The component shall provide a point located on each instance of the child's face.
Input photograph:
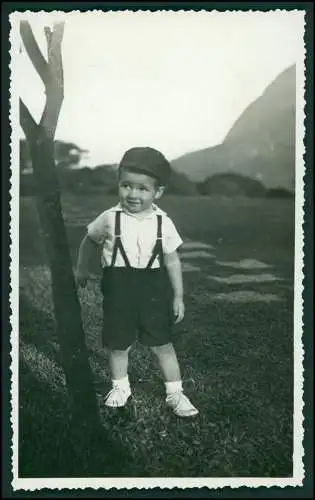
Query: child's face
(137, 191)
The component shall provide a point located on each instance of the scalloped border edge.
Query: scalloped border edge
(33, 484)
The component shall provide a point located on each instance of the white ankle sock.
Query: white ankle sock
(122, 383)
(172, 387)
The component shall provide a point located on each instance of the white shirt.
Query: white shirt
(138, 236)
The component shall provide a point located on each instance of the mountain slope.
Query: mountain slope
(260, 144)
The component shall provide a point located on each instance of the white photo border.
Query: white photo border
(33, 484)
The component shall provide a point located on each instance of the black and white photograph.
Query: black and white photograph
(157, 248)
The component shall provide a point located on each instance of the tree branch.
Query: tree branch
(27, 122)
(34, 52)
(54, 54)
(51, 73)
(48, 34)
(54, 87)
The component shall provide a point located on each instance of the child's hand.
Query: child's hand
(178, 309)
(81, 279)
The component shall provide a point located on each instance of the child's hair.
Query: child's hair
(148, 161)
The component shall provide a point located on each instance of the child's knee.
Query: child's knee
(116, 353)
(165, 349)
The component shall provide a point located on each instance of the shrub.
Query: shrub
(230, 184)
(279, 193)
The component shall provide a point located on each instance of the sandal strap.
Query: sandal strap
(178, 400)
(118, 392)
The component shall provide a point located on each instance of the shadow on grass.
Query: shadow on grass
(36, 326)
(51, 444)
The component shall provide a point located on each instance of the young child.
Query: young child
(142, 283)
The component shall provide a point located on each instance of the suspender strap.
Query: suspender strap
(159, 227)
(118, 244)
(158, 247)
(117, 224)
(157, 250)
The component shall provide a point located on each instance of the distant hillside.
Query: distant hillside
(231, 184)
(260, 144)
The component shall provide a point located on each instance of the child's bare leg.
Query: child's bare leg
(168, 362)
(118, 365)
(175, 397)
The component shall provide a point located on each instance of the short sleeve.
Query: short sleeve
(98, 229)
(171, 239)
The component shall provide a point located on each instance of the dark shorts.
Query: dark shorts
(136, 306)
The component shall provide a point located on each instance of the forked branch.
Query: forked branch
(33, 51)
(51, 73)
(54, 87)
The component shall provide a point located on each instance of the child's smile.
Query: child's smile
(137, 191)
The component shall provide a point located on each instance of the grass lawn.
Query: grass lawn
(236, 355)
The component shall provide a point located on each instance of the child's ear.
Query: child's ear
(159, 191)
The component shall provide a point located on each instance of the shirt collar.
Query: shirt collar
(156, 210)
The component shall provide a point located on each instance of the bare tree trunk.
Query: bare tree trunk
(67, 311)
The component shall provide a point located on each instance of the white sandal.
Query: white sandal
(181, 405)
(117, 397)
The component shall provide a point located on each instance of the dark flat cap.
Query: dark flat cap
(148, 161)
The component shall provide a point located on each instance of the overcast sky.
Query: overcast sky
(176, 81)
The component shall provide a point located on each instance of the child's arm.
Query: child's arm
(87, 249)
(174, 269)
